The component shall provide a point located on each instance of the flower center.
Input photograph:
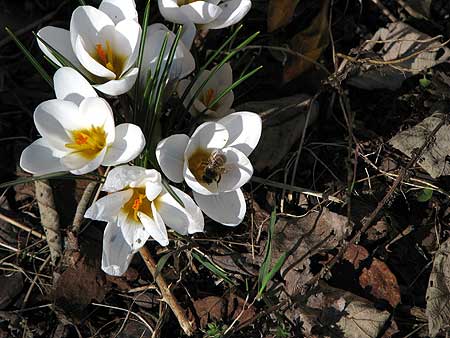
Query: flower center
(209, 96)
(185, 2)
(138, 203)
(207, 166)
(88, 142)
(106, 57)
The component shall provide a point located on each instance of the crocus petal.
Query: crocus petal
(238, 170)
(227, 208)
(123, 176)
(153, 185)
(119, 10)
(188, 35)
(79, 165)
(244, 129)
(41, 158)
(184, 220)
(121, 86)
(223, 107)
(134, 232)
(53, 118)
(155, 226)
(132, 31)
(232, 12)
(88, 22)
(170, 10)
(89, 62)
(222, 79)
(72, 86)
(128, 143)
(201, 12)
(58, 39)
(117, 253)
(108, 207)
(209, 135)
(170, 156)
(97, 112)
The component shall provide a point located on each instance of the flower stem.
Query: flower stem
(166, 293)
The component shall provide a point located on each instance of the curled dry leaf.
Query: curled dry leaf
(283, 123)
(434, 160)
(438, 292)
(310, 42)
(280, 13)
(337, 313)
(404, 52)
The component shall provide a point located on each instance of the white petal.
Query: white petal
(171, 11)
(72, 86)
(119, 10)
(40, 158)
(135, 233)
(117, 253)
(89, 62)
(97, 112)
(108, 207)
(131, 30)
(223, 107)
(88, 21)
(128, 144)
(222, 79)
(184, 220)
(155, 226)
(244, 130)
(59, 39)
(238, 170)
(201, 12)
(227, 208)
(188, 35)
(121, 86)
(123, 176)
(232, 12)
(53, 120)
(209, 135)
(170, 156)
(153, 189)
(80, 165)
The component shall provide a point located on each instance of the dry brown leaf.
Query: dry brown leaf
(438, 292)
(311, 43)
(283, 123)
(280, 13)
(355, 254)
(10, 287)
(399, 42)
(434, 158)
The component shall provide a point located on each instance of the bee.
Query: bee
(214, 167)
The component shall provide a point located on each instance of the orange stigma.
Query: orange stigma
(209, 96)
(101, 53)
(137, 202)
(81, 138)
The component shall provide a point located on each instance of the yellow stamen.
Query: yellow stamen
(209, 96)
(113, 61)
(88, 142)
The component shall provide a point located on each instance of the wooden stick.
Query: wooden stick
(166, 293)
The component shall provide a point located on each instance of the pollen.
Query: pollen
(88, 142)
(197, 163)
(107, 57)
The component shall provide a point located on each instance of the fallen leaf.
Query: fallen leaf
(280, 13)
(332, 312)
(11, 287)
(355, 254)
(434, 158)
(381, 282)
(283, 123)
(310, 42)
(438, 292)
(398, 41)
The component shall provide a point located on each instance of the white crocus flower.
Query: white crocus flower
(137, 208)
(211, 14)
(78, 132)
(183, 62)
(104, 42)
(214, 163)
(221, 80)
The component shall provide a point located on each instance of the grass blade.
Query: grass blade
(169, 189)
(30, 58)
(212, 267)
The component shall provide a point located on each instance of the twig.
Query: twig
(21, 226)
(82, 206)
(384, 10)
(166, 293)
(49, 218)
(25, 300)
